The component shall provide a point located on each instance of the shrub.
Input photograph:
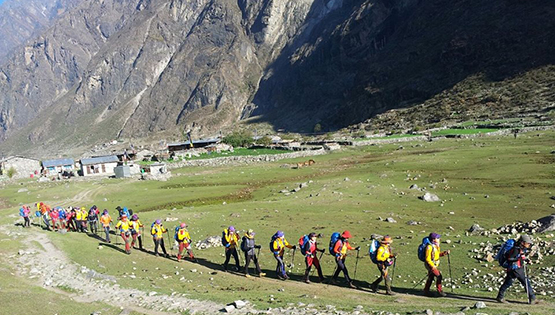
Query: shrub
(265, 141)
(239, 139)
(11, 172)
(317, 128)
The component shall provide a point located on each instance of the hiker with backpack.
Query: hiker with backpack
(429, 252)
(383, 257)
(92, 218)
(136, 224)
(230, 240)
(105, 220)
(340, 248)
(24, 213)
(55, 217)
(309, 248)
(512, 256)
(123, 226)
(62, 214)
(248, 246)
(157, 231)
(71, 214)
(277, 247)
(183, 238)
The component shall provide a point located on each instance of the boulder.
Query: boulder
(546, 224)
(428, 197)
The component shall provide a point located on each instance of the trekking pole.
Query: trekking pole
(356, 264)
(169, 242)
(450, 274)
(293, 258)
(419, 282)
(393, 273)
(527, 281)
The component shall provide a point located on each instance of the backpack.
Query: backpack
(501, 256)
(176, 232)
(373, 251)
(224, 240)
(303, 243)
(21, 212)
(274, 238)
(334, 238)
(422, 248)
(244, 245)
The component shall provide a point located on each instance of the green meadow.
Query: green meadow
(490, 181)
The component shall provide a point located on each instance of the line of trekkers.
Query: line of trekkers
(512, 255)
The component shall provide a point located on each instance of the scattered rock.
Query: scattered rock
(428, 197)
(390, 220)
(475, 228)
(479, 305)
(240, 304)
(229, 308)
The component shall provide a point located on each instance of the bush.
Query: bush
(265, 141)
(317, 128)
(11, 172)
(239, 139)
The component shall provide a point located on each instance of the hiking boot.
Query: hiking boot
(534, 301)
(307, 281)
(501, 300)
(156, 254)
(351, 285)
(248, 276)
(262, 274)
(441, 293)
(374, 287)
(389, 292)
(285, 276)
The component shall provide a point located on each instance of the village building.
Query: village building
(19, 167)
(101, 165)
(58, 166)
(180, 146)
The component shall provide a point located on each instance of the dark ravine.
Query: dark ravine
(140, 68)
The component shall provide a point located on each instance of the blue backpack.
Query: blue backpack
(176, 231)
(501, 256)
(334, 238)
(303, 243)
(274, 238)
(422, 248)
(21, 212)
(373, 251)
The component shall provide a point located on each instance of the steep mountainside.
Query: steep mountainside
(22, 19)
(137, 68)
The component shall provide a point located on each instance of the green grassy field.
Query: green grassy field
(347, 189)
(454, 132)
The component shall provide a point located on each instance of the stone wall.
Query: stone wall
(24, 167)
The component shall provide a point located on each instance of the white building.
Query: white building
(102, 165)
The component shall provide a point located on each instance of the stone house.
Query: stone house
(101, 165)
(58, 166)
(23, 167)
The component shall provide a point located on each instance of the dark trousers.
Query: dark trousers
(107, 231)
(71, 224)
(510, 278)
(384, 276)
(93, 225)
(280, 267)
(228, 252)
(159, 242)
(341, 267)
(27, 223)
(248, 259)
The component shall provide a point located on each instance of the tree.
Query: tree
(11, 172)
(239, 138)
(317, 128)
(265, 141)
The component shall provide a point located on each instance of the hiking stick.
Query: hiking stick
(450, 274)
(169, 242)
(419, 282)
(293, 258)
(526, 282)
(356, 265)
(393, 273)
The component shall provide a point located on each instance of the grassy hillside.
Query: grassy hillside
(349, 189)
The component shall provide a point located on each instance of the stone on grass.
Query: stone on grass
(240, 304)
(428, 197)
(229, 308)
(479, 305)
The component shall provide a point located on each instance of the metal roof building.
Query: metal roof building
(100, 160)
(58, 162)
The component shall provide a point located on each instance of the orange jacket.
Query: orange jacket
(341, 247)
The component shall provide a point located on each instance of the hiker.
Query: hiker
(92, 218)
(183, 238)
(230, 240)
(516, 269)
(45, 211)
(79, 219)
(71, 217)
(310, 249)
(123, 226)
(136, 232)
(105, 220)
(340, 251)
(24, 213)
(277, 246)
(54, 217)
(62, 214)
(432, 254)
(248, 246)
(157, 230)
(384, 259)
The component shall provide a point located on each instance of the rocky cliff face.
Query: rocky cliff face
(134, 68)
(20, 20)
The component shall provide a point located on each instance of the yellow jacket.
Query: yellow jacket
(105, 219)
(183, 236)
(78, 215)
(384, 252)
(123, 226)
(432, 255)
(157, 231)
(135, 225)
(279, 244)
(231, 239)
